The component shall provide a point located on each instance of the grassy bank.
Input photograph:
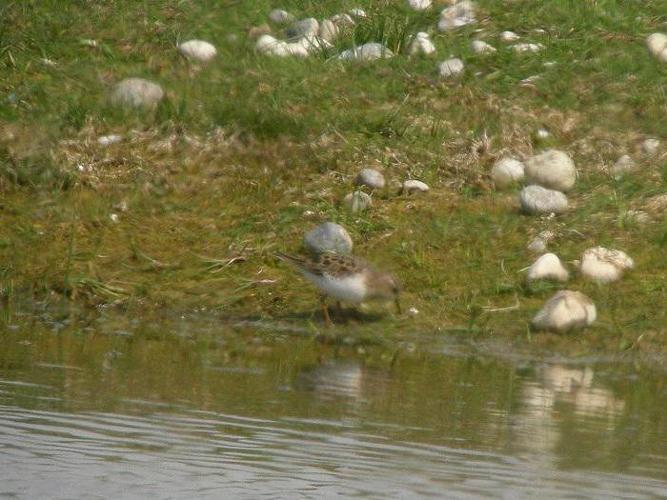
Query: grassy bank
(247, 153)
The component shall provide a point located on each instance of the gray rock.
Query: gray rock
(328, 237)
(551, 169)
(136, 93)
(538, 200)
(304, 27)
(279, 16)
(357, 201)
(370, 178)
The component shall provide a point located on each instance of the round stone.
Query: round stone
(136, 93)
(507, 171)
(481, 47)
(548, 267)
(302, 28)
(198, 49)
(553, 169)
(567, 310)
(537, 200)
(450, 67)
(370, 178)
(328, 237)
(328, 30)
(459, 14)
(421, 44)
(650, 147)
(657, 46)
(509, 36)
(604, 265)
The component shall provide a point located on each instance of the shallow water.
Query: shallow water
(189, 408)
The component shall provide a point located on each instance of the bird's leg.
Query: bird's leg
(325, 310)
(339, 308)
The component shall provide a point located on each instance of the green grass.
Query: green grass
(229, 166)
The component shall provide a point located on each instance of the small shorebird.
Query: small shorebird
(345, 279)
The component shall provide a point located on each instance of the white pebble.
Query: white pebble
(506, 172)
(413, 311)
(650, 147)
(419, 4)
(198, 49)
(366, 52)
(541, 133)
(481, 47)
(303, 27)
(107, 140)
(509, 36)
(329, 31)
(553, 169)
(450, 67)
(459, 14)
(414, 186)
(114, 218)
(604, 265)
(566, 310)
(358, 12)
(421, 44)
(548, 267)
(523, 48)
(657, 46)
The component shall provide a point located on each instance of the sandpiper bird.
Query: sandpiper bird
(345, 279)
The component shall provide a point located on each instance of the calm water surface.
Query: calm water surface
(187, 408)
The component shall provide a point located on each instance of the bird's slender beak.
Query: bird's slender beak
(398, 305)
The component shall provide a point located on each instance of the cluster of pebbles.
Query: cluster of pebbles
(332, 237)
(547, 176)
(303, 37)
